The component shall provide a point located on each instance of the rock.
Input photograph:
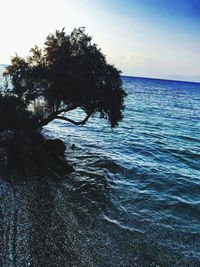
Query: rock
(37, 138)
(55, 146)
(7, 137)
(73, 146)
(59, 165)
(27, 153)
(3, 158)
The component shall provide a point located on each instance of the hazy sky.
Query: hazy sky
(151, 38)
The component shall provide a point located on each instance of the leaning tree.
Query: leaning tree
(69, 72)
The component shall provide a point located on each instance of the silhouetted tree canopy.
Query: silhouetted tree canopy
(69, 72)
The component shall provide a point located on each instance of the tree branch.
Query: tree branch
(53, 116)
(74, 122)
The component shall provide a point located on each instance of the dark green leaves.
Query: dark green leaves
(69, 71)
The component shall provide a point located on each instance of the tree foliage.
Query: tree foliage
(14, 114)
(69, 72)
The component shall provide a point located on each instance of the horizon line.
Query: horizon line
(162, 79)
(144, 77)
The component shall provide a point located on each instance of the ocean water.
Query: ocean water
(139, 185)
(134, 199)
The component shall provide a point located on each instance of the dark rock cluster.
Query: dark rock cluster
(32, 154)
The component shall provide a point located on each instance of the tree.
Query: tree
(69, 72)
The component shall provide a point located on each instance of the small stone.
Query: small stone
(73, 146)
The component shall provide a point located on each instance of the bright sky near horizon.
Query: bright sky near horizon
(148, 38)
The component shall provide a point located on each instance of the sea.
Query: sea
(134, 197)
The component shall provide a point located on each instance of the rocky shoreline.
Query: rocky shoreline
(30, 153)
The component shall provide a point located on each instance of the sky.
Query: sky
(146, 38)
